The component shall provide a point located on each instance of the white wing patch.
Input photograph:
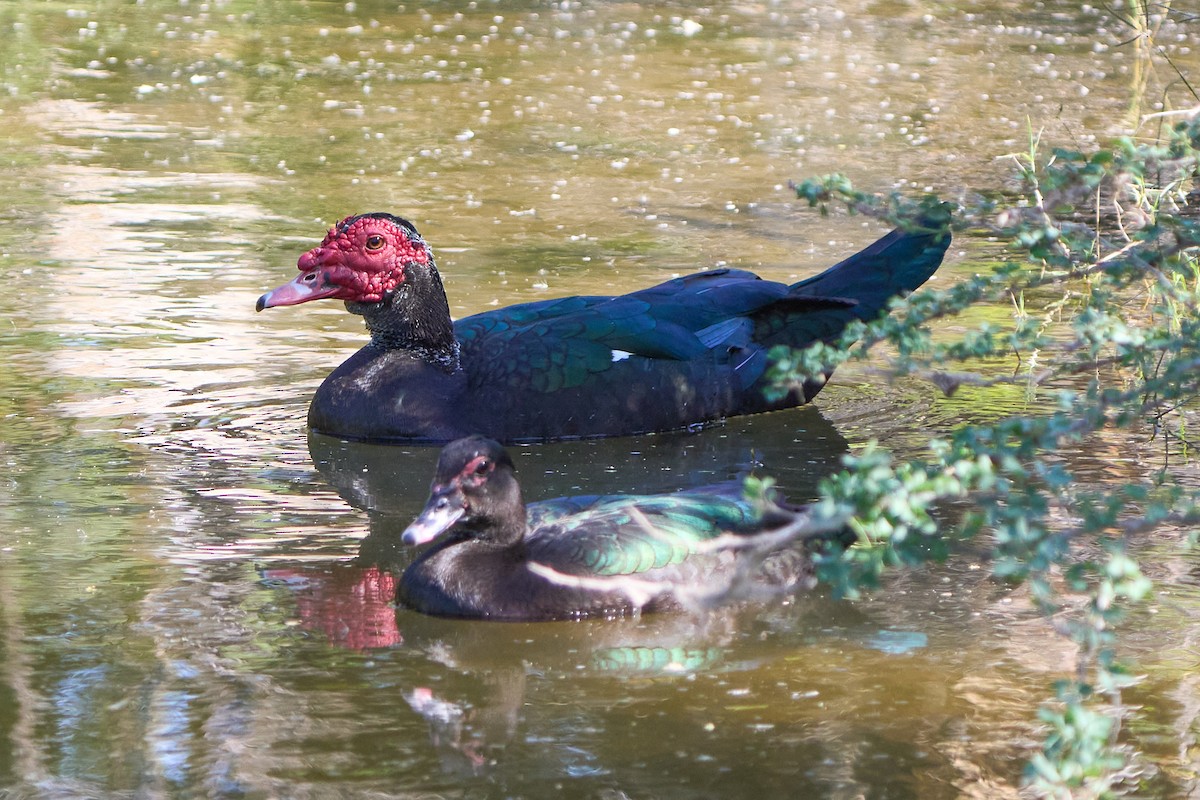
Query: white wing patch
(620, 355)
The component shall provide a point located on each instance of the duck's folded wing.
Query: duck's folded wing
(713, 318)
(636, 535)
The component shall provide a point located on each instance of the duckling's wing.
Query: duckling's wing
(632, 535)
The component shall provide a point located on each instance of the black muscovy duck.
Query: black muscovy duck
(689, 351)
(493, 557)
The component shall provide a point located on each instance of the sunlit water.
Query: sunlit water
(195, 597)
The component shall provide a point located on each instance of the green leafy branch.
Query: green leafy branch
(1104, 280)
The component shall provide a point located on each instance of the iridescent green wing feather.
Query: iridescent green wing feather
(633, 535)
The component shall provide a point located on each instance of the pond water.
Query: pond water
(192, 601)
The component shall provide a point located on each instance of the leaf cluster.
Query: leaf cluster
(1103, 274)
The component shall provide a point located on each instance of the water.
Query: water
(192, 601)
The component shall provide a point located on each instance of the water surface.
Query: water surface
(194, 593)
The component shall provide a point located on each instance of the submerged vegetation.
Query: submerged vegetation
(1104, 280)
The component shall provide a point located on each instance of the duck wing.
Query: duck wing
(636, 535)
(708, 316)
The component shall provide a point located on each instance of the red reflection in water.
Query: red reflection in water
(353, 606)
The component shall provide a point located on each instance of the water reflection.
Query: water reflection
(788, 678)
(353, 606)
(798, 447)
(472, 722)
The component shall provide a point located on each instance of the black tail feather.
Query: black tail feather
(894, 266)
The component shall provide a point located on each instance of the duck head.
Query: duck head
(362, 259)
(474, 494)
(384, 270)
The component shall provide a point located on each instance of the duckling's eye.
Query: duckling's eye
(374, 242)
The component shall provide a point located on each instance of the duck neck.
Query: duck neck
(508, 527)
(415, 316)
(498, 540)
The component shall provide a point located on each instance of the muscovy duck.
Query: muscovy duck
(689, 351)
(493, 557)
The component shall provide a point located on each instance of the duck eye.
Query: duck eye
(482, 467)
(374, 242)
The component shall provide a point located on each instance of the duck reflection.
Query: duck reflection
(473, 722)
(478, 690)
(467, 738)
(471, 680)
(353, 606)
(487, 690)
(796, 447)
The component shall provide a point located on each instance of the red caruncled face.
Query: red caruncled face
(361, 259)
